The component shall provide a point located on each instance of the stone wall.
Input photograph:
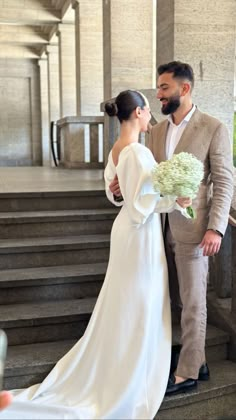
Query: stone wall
(204, 36)
(91, 56)
(20, 133)
(132, 40)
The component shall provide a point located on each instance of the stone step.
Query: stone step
(28, 364)
(53, 200)
(30, 224)
(214, 399)
(36, 322)
(51, 283)
(41, 252)
(46, 321)
(216, 342)
(61, 319)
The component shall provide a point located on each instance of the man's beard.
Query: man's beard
(171, 106)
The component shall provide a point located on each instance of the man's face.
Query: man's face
(169, 93)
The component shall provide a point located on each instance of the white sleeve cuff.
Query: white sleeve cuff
(182, 211)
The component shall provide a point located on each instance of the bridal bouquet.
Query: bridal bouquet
(180, 176)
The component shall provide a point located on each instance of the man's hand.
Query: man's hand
(114, 187)
(211, 243)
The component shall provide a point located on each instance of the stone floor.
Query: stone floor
(31, 179)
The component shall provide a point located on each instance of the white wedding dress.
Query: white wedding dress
(119, 368)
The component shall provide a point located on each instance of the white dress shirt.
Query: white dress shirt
(174, 132)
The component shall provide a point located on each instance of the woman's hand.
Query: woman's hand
(184, 202)
(5, 399)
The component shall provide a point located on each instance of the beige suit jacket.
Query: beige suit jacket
(207, 139)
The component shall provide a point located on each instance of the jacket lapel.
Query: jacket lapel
(188, 133)
(162, 133)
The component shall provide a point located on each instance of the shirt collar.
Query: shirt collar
(186, 118)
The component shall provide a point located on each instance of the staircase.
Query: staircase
(54, 249)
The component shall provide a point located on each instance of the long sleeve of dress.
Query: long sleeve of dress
(109, 175)
(134, 173)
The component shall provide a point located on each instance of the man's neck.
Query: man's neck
(181, 113)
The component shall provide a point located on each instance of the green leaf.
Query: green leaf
(191, 212)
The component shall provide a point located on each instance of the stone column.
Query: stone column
(89, 56)
(75, 6)
(44, 94)
(53, 82)
(129, 59)
(66, 36)
(107, 66)
(202, 33)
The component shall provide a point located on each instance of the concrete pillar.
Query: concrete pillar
(89, 56)
(53, 82)
(129, 58)
(44, 94)
(107, 66)
(202, 33)
(76, 8)
(67, 79)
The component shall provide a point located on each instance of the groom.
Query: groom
(189, 243)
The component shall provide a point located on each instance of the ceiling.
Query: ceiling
(27, 26)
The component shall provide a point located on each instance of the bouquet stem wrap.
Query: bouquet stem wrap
(180, 176)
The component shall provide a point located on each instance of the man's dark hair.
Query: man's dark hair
(180, 70)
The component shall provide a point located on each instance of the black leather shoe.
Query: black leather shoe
(204, 373)
(173, 388)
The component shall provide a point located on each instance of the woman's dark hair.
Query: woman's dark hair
(180, 70)
(125, 103)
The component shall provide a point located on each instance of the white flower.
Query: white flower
(179, 176)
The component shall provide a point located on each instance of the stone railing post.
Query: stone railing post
(233, 267)
(75, 133)
(220, 267)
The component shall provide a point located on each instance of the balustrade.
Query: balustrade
(81, 142)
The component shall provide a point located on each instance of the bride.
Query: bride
(119, 369)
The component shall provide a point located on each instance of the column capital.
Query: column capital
(75, 4)
(51, 48)
(42, 61)
(62, 27)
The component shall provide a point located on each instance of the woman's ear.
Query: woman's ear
(138, 111)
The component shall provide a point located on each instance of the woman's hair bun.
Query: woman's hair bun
(111, 109)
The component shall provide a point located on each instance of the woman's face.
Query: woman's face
(145, 116)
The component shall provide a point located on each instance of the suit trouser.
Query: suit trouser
(188, 270)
